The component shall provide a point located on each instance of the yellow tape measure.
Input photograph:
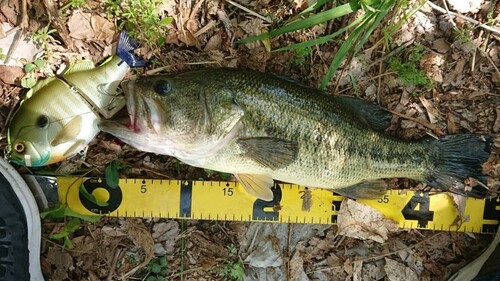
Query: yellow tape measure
(291, 204)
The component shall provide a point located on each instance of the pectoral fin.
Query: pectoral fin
(257, 185)
(68, 132)
(273, 153)
(364, 190)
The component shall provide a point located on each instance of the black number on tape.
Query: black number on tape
(384, 199)
(258, 206)
(421, 201)
(335, 208)
(491, 212)
(114, 201)
(228, 191)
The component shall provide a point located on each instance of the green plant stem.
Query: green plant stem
(320, 40)
(308, 22)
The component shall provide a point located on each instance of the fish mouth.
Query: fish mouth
(141, 115)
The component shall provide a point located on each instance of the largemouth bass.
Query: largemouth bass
(263, 128)
(59, 116)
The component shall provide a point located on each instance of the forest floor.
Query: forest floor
(459, 59)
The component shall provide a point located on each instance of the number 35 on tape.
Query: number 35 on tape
(213, 200)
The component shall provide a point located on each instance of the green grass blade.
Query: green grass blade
(359, 36)
(309, 9)
(344, 49)
(320, 40)
(308, 22)
(376, 19)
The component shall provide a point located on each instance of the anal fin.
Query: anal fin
(364, 190)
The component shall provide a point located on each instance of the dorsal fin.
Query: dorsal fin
(79, 66)
(372, 115)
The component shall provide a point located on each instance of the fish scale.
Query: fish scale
(343, 153)
(261, 128)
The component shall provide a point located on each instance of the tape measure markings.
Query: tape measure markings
(228, 201)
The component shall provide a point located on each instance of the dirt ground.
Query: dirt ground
(463, 96)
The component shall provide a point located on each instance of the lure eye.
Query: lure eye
(42, 121)
(19, 147)
(162, 87)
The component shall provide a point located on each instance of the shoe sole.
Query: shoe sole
(32, 215)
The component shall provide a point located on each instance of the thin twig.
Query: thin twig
(113, 264)
(490, 60)
(393, 52)
(380, 91)
(24, 22)
(427, 125)
(13, 47)
(448, 12)
(473, 21)
(55, 20)
(249, 11)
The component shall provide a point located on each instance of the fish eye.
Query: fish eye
(162, 87)
(42, 121)
(19, 147)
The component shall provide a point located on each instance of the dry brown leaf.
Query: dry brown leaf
(460, 203)
(11, 74)
(441, 46)
(214, 43)
(62, 261)
(114, 231)
(143, 239)
(432, 65)
(192, 25)
(188, 38)
(252, 27)
(297, 272)
(79, 26)
(348, 266)
(432, 111)
(451, 123)
(496, 125)
(83, 245)
(104, 30)
(357, 271)
(363, 222)
(10, 9)
(396, 271)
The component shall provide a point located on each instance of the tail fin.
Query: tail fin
(458, 157)
(125, 50)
